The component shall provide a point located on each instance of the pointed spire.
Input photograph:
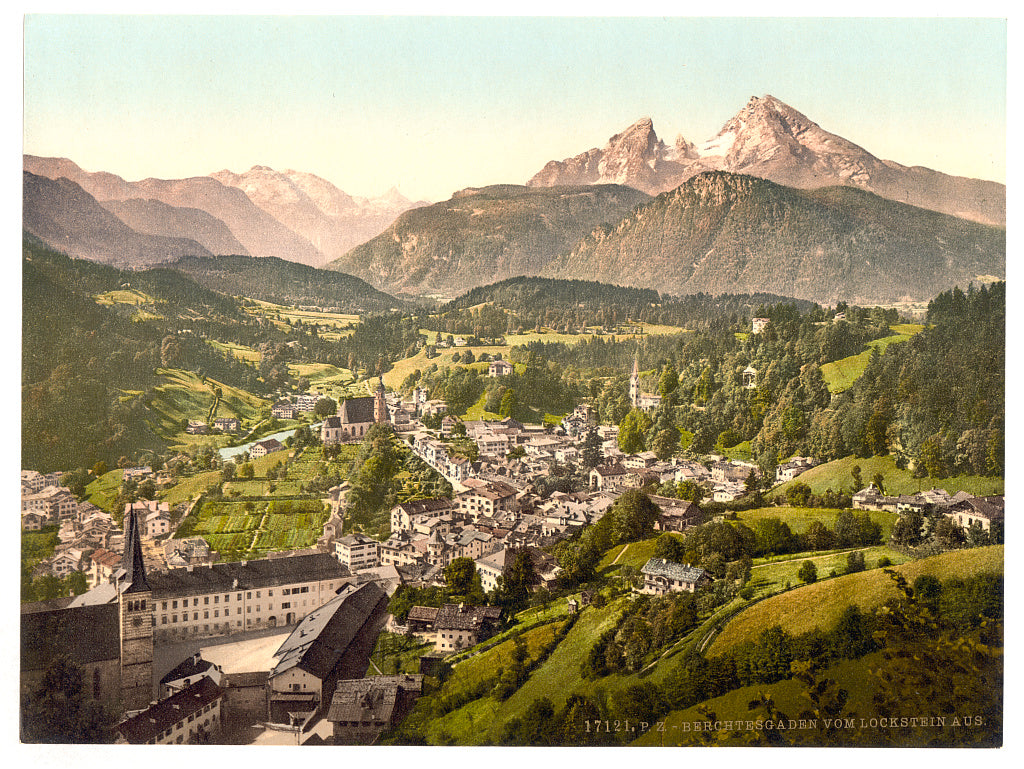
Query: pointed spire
(132, 563)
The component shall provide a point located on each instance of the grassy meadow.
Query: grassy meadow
(822, 603)
(837, 475)
(841, 374)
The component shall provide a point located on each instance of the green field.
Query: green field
(403, 368)
(184, 396)
(483, 719)
(770, 578)
(634, 554)
(190, 488)
(837, 475)
(102, 491)
(340, 323)
(240, 351)
(242, 530)
(799, 518)
(125, 296)
(330, 380)
(841, 374)
(822, 603)
(788, 696)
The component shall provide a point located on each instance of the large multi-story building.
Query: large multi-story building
(225, 598)
(357, 552)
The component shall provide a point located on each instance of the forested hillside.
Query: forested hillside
(270, 279)
(86, 365)
(572, 305)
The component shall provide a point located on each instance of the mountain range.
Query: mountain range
(484, 235)
(295, 216)
(773, 202)
(730, 233)
(771, 140)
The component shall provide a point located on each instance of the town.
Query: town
(292, 647)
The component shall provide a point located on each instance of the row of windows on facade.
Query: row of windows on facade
(183, 723)
(227, 598)
(216, 612)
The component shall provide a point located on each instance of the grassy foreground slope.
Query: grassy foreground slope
(822, 604)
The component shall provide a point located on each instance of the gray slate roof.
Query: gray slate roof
(149, 723)
(319, 641)
(659, 567)
(460, 617)
(87, 634)
(251, 575)
(356, 410)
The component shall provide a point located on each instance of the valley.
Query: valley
(668, 436)
(524, 387)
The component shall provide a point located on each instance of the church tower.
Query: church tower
(634, 384)
(135, 608)
(380, 406)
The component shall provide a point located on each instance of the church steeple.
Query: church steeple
(634, 383)
(134, 580)
(135, 607)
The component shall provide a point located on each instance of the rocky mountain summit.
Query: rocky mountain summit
(771, 140)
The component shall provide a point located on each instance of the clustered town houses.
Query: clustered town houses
(149, 591)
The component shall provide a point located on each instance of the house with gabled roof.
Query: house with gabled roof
(662, 577)
(188, 672)
(190, 715)
(362, 709)
(264, 447)
(333, 642)
(981, 511)
(459, 626)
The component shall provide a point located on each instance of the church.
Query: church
(642, 401)
(354, 417)
(112, 641)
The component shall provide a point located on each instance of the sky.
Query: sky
(434, 104)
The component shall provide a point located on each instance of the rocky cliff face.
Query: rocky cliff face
(771, 140)
(726, 233)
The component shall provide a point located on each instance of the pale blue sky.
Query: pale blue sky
(435, 104)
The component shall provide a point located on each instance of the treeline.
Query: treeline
(525, 303)
(384, 473)
(539, 388)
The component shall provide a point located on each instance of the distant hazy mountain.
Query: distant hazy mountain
(152, 217)
(728, 233)
(771, 140)
(67, 218)
(259, 233)
(332, 220)
(484, 235)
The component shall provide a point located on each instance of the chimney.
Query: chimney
(189, 568)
